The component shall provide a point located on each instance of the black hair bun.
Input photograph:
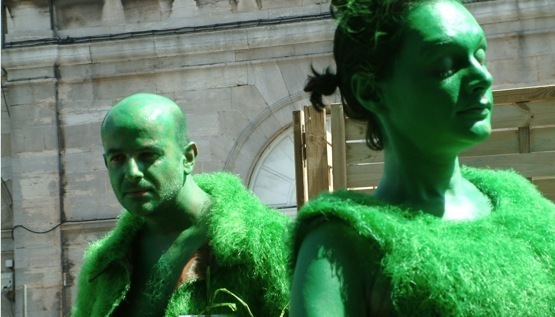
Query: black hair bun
(320, 84)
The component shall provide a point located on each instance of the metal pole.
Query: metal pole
(25, 300)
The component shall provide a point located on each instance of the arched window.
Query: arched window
(273, 177)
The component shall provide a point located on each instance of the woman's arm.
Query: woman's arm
(330, 273)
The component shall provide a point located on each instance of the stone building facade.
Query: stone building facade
(236, 67)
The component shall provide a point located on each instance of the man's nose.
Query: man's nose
(133, 170)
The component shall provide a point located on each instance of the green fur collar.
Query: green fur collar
(232, 224)
(247, 240)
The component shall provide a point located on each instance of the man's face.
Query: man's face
(439, 95)
(144, 161)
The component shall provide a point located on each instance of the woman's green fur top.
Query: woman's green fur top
(499, 265)
(247, 239)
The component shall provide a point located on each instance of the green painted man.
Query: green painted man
(184, 245)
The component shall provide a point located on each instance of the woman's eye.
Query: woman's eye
(445, 67)
(480, 56)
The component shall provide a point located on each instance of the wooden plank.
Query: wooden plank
(523, 114)
(510, 116)
(317, 170)
(524, 139)
(546, 186)
(358, 153)
(364, 175)
(542, 112)
(364, 190)
(536, 164)
(355, 130)
(540, 164)
(300, 162)
(500, 142)
(513, 95)
(339, 162)
(542, 138)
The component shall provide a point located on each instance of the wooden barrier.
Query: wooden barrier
(331, 151)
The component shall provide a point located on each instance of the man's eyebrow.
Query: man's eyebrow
(151, 147)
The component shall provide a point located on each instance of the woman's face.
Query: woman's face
(439, 93)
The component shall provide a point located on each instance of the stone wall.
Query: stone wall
(237, 69)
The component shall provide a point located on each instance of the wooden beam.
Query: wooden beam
(317, 170)
(300, 159)
(524, 139)
(514, 95)
(339, 147)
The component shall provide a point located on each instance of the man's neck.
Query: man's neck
(188, 211)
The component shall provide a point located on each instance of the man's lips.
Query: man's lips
(136, 192)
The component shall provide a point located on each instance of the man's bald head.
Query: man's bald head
(141, 110)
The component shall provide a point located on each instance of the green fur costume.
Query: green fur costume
(247, 239)
(500, 265)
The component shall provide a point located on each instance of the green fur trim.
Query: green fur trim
(246, 236)
(500, 265)
(248, 241)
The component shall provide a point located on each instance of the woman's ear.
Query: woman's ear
(367, 92)
(190, 157)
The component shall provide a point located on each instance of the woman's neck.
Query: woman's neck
(431, 182)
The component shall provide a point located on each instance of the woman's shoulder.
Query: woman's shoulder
(505, 185)
(336, 259)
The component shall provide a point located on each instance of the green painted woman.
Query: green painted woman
(435, 238)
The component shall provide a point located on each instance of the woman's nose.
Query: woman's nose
(481, 79)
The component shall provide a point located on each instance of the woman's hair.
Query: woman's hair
(367, 40)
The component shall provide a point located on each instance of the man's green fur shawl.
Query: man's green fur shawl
(500, 265)
(247, 239)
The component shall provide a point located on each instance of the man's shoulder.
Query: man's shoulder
(115, 244)
(231, 198)
(239, 223)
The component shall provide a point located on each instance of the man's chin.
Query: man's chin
(140, 211)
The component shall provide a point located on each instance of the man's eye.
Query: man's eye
(149, 156)
(117, 158)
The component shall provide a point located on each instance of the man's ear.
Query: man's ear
(190, 157)
(367, 92)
